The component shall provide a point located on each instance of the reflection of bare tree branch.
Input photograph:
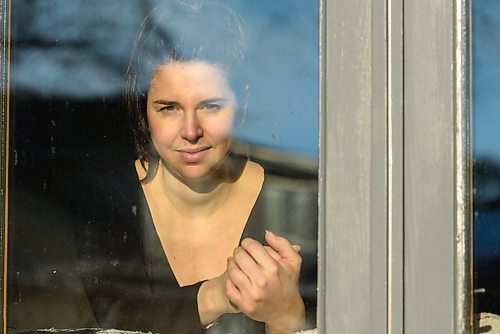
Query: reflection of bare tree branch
(80, 49)
(89, 38)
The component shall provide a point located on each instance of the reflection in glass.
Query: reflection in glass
(68, 124)
(486, 139)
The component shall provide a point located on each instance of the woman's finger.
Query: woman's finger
(248, 265)
(233, 293)
(257, 251)
(281, 245)
(273, 253)
(237, 276)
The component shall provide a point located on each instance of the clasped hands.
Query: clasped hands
(260, 281)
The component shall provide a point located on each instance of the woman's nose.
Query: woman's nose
(191, 129)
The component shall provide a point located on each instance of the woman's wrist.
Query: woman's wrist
(293, 321)
(212, 300)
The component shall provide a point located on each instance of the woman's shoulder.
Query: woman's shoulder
(255, 168)
(253, 176)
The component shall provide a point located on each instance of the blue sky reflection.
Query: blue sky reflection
(486, 78)
(79, 49)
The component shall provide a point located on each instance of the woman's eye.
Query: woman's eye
(169, 109)
(211, 107)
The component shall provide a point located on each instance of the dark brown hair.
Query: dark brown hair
(179, 31)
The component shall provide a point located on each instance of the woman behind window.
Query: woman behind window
(174, 242)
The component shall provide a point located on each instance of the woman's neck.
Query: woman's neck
(193, 200)
(200, 198)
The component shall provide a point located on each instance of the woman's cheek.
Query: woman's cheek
(220, 128)
(161, 133)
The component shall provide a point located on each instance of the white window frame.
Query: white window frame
(396, 171)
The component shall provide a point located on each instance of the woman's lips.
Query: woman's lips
(193, 155)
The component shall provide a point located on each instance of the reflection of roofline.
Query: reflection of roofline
(274, 159)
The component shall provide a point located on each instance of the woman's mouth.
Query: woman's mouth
(193, 155)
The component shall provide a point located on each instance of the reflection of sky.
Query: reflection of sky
(486, 135)
(486, 77)
(79, 49)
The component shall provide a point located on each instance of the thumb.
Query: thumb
(281, 245)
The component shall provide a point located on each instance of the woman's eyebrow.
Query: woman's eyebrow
(214, 100)
(161, 101)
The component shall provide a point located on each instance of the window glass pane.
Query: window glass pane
(216, 109)
(486, 148)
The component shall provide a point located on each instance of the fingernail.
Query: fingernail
(271, 233)
(296, 247)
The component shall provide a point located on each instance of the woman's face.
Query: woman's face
(190, 113)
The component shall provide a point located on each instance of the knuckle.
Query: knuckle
(258, 296)
(273, 270)
(238, 256)
(237, 251)
(250, 245)
(260, 282)
(250, 308)
(245, 242)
